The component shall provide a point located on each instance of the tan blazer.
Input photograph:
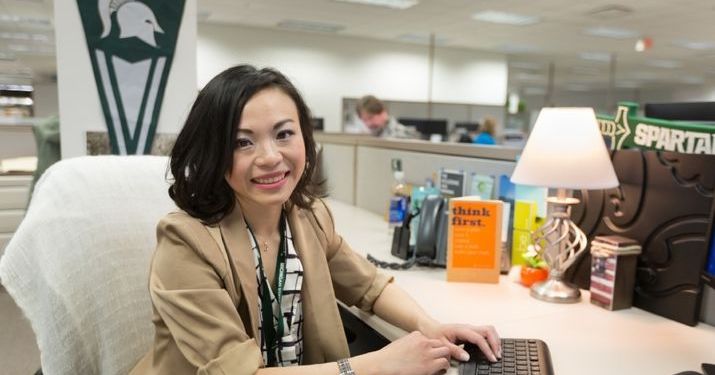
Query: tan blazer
(205, 301)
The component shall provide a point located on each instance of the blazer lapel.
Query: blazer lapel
(317, 302)
(238, 245)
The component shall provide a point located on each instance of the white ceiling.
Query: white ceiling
(557, 38)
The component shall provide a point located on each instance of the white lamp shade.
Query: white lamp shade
(565, 150)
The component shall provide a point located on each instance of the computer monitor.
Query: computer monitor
(426, 126)
(317, 123)
(469, 126)
(693, 111)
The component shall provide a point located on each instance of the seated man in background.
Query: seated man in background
(376, 121)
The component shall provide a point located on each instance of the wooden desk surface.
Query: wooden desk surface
(583, 339)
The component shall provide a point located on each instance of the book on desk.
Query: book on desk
(474, 240)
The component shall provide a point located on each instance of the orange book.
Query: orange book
(474, 240)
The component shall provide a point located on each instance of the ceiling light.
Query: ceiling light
(529, 77)
(422, 38)
(28, 21)
(517, 48)
(586, 70)
(23, 88)
(665, 64)
(310, 26)
(611, 32)
(577, 87)
(595, 56)
(4, 56)
(25, 36)
(696, 45)
(627, 84)
(645, 76)
(31, 49)
(10, 100)
(494, 16)
(394, 4)
(692, 80)
(526, 65)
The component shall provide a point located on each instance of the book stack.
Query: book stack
(613, 271)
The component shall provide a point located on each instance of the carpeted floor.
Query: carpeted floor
(18, 349)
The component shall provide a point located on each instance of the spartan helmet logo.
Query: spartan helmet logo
(135, 19)
(131, 45)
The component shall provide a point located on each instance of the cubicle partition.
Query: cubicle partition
(358, 169)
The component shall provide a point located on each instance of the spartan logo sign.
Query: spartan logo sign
(131, 45)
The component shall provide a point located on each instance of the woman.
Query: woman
(486, 137)
(253, 243)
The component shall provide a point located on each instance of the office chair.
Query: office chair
(78, 264)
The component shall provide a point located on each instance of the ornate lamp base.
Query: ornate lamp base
(558, 291)
(560, 242)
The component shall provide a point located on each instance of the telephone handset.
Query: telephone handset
(430, 215)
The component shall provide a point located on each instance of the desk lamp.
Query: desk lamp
(565, 151)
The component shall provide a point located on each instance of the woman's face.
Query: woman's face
(269, 154)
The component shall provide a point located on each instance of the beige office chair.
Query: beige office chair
(78, 264)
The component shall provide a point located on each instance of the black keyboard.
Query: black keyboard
(519, 357)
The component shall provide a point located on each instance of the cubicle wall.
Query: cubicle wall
(358, 169)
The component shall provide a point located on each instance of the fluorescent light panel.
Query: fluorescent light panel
(517, 48)
(627, 84)
(310, 26)
(694, 45)
(595, 56)
(529, 77)
(422, 38)
(24, 88)
(525, 65)
(24, 36)
(577, 87)
(4, 56)
(10, 100)
(611, 32)
(665, 64)
(30, 21)
(692, 80)
(495, 16)
(393, 4)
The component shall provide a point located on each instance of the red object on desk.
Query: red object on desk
(531, 275)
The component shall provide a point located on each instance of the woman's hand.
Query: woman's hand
(413, 354)
(484, 337)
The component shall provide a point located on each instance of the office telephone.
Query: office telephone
(431, 241)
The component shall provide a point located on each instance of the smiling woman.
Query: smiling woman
(241, 278)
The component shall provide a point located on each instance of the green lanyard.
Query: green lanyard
(272, 336)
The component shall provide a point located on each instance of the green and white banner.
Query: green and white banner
(626, 130)
(131, 45)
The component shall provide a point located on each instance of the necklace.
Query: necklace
(263, 244)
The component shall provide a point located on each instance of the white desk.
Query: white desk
(583, 339)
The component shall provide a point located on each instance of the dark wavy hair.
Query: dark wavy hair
(203, 151)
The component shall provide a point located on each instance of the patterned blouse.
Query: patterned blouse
(290, 350)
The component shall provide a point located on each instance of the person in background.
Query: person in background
(486, 137)
(375, 120)
(246, 276)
